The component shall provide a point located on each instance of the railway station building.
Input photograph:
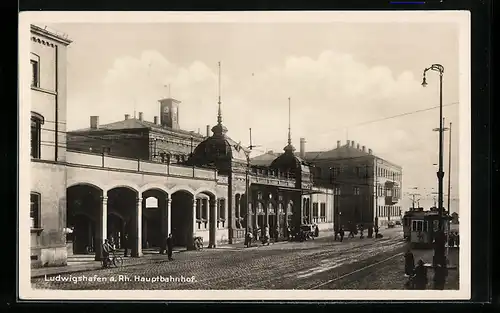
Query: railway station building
(146, 179)
(367, 188)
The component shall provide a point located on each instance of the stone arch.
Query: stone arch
(122, 184)
(153, 186)
(209, 192)
(85, 183)
(83, 204)
(183, 188)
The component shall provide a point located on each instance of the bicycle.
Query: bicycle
(116, 260)
(198, 243)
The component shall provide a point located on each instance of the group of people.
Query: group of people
(353, 231)
(418, 274)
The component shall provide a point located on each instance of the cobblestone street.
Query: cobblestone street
(319, 264)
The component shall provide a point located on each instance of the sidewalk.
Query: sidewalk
(83, 263)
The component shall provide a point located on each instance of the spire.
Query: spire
(289, 148)
(219, 112)
(219, 129)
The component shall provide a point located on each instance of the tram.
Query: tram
(420, 227)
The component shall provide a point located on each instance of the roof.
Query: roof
(133, 123)
(51, 34)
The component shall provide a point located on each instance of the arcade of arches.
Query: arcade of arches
(145, 218)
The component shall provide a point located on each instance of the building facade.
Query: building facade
(134, 137)
(48, 147)
(366, 188)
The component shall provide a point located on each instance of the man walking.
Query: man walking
(170, 247)
(106, 249)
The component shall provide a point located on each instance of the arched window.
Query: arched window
(36, 126)
(35, 199)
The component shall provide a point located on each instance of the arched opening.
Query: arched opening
(122, 209)
(211, 217)
(154, 222)
(82, 211)
(182, 218)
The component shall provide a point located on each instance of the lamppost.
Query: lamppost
(440, 240)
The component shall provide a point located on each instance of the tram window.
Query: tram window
(420, 225)
(414, 226)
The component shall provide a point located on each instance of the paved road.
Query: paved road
(282, 266)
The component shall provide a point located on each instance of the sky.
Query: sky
(338, 75)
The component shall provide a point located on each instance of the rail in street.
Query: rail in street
(318, 264)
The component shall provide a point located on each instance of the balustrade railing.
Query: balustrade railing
(86, 159)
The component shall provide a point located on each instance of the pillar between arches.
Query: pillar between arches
(101, 228)
(137, 246)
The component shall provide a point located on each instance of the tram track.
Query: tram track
(271, 271)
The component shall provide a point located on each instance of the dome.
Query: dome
(289, 162)
(219, 151)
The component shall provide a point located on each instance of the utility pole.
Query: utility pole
(413, 200)
(449, 171)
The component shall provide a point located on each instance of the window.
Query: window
(356, 191)
(389, 192)
(322, 213)
(337, 191)
(36, 128)
(222, 209)
(35, 210)
(315, 210)
(35, 73)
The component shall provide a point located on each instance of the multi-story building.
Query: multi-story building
(48, 147)
(367, 188)
(159, 140)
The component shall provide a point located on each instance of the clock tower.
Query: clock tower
(169, 113)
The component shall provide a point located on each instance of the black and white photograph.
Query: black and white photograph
(244, 155)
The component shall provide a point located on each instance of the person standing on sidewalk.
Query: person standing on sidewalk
(420, 276)
(341, 233)
(170, 247)
(409, 263)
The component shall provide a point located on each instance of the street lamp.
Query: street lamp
(440, 242)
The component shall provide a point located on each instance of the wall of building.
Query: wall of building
(48, 244)
(48, 176)
(389, 185)
(326, 198)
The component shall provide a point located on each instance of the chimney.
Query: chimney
(127, 116)
(357, 146)
(302, 147)
(94, 122)
(338, 143)
(156, 120)
(352, 143)
(370, 151)
(348, 143)
(364, 149)
(208, 130)
(140, 116)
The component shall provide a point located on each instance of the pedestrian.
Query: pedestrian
(341, 232)
(106, 249)
(163, 244)
(248, 239)
(376, 231)
(420, 276)
(276, 234)
(170, 247)
(457, 239)
(316, 231)
(266, 235)
(125, 245)
(409, 263)
(440, 274)
(361, 230)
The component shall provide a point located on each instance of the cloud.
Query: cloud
(328, 93)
